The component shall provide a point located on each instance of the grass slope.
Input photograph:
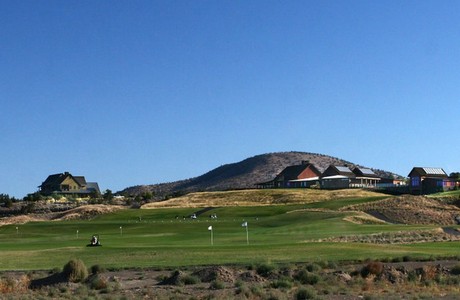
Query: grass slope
(260, 197)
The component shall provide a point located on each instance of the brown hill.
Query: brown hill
(242, 175)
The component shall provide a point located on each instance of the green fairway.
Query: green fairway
(163, 238)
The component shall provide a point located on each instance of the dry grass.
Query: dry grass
(399, 237)
(86, 212)
(79, 213)
(363, 218)
(22, 219)
(13, 284)
(259, 197)
(411, 210)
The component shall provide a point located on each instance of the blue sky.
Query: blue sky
(142, 92)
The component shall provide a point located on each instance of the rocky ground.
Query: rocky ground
(399, 279)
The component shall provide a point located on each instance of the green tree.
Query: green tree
(455, 175)
(94, 195)
(108, 195)
(147, 196)
(33, 197)
(6, 200)
(9, 203)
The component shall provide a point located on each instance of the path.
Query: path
(202, 211)
(451, 230)
(381, 216)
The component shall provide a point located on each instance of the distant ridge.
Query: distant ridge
(244, 174)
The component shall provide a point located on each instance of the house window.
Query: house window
(415, 181)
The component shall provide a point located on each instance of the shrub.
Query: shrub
(372, 268)
(428, 272)
(97, 269)
(305, 293)
(75, 271)
(257, 290)
(306, 277)
(81, 291)
(412, 276)
(189, 280)
(239, 283)
(332, 265)
(265, 269)
(217, 285)
(161, 277)
(98, 283)
(283, 283)
(7, 285)
(242, 289)
(455, 270)
(314, 267)
(407, 258)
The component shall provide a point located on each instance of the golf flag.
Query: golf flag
(245, 224)
(212, 238)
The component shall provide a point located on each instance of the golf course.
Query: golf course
(295, 231)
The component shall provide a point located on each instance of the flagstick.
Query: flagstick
(212, 239)
(247, 235)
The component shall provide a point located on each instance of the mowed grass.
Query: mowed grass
(163, 238)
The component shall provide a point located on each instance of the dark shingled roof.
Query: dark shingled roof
(55, 179)
(292, 172)
(80, 180)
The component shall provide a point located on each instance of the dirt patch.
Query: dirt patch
(410, 210)
(215, 273)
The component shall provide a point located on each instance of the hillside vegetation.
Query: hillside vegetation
(243, 175)
(409, 209)
(260, 197)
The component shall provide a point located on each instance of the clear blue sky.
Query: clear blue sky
(142, 92)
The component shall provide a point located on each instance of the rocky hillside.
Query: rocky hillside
(242, 175)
